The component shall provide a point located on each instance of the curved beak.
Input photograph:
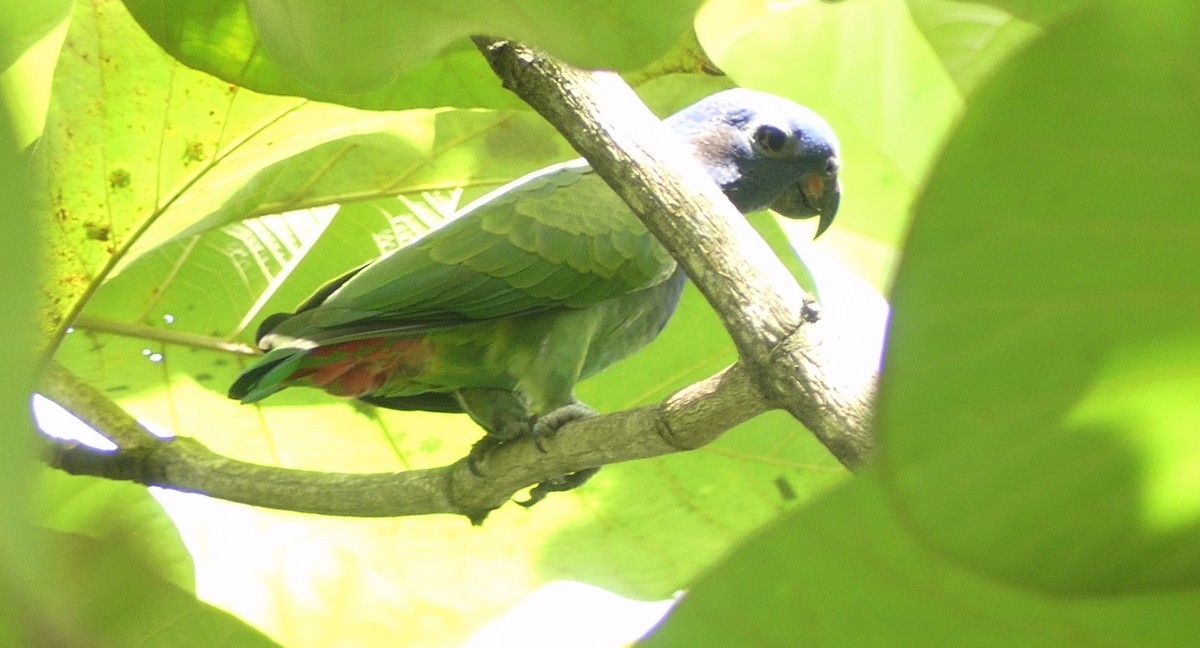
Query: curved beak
(815, 194)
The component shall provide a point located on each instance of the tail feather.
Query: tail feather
(269, 325)
(426, 402)
(267, 376)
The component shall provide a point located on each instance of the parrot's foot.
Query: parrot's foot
(538, 429)
(545, 427)
(564, 483)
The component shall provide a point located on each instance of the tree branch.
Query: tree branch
(690, 418)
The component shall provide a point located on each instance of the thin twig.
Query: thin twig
(164, 335)
(91, 405)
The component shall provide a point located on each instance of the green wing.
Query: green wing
(556, 238)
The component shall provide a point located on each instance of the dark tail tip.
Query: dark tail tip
(248, 381)
(270, 324)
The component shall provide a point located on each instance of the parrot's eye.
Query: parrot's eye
(771, 139)
(832, 165)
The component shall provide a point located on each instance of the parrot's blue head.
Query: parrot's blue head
(765, 151)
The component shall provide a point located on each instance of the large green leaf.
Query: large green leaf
(30, 36)
(26, 564)
(848, 571)
(395, 153)
(1038, 409)
(1036, 483)
(23, 26)
(397, 55)
(114, 513)
(66, 588)
(135, 140)
(970, 37)
(122, 604)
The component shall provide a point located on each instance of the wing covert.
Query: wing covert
(556, 238)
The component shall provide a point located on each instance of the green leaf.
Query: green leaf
(849, 571)
(30, 37)
(388, 55)
(66, 589)
(129, 132)
(1038, 408)
(114, 512)
(24, 561)
(23, 26)
(971, 38)
(125, 605)
(140, 150)
(220, 39)
(420, 151)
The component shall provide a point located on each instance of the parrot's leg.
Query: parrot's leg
(505, 415)
(502, 413)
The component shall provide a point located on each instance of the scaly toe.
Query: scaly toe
(548, 424)
(559, 484)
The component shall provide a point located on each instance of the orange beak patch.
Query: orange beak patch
(813, 184)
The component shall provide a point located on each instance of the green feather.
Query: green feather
(529, 250)
(267, 375)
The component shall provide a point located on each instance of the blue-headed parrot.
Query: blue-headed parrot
(537, 285)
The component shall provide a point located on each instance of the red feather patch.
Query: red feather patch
(360, 367)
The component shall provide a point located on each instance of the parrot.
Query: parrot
(536, 285)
